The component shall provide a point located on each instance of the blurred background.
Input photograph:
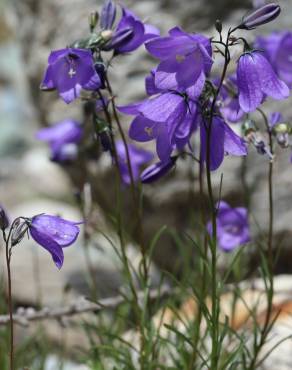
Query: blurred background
(31, 184)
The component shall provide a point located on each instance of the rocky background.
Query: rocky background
(31, 184)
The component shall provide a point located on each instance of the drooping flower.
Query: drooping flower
(232, 227)
(223, 141)
(278, 49)
(53, 233)
(138, 158)
(63, 138)
(69, 71)
(169, 118)
(185, 59)
(256, 79)
(264, 14)
(130, 33)
(157, 170)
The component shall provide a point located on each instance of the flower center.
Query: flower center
(148, 130)
(180, 58)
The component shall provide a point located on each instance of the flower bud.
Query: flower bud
(93, 19)
(264, 14)
(157, 170)
(19, 230)
(218, 25)
(108, 15)
(4, 221)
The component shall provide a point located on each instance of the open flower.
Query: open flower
(278, 49)
(69, 71)
(53, 233)
(232, 227)
(169, 118)
(256, 79)
(185, 59)
(63, 138)
(138, 158)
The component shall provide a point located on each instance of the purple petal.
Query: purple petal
(233, 144)
(142, 129)
(157, 170)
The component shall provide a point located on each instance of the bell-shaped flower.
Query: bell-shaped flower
(169, 118)
(69, 71)
(185, 59)
(256, 79)
(232, 227)
(223, 141)
(278, 49)
(63, 138)
(138, 158)
(54, 233)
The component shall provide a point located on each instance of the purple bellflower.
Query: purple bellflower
(278, 49)
(169, 118)
(131, 33)
(256, 79)
(232, 227)
(138, 158)
(185, 59)
(69, 71)
(54, 233)
(224, 141)
(262, 15)
(63, 138)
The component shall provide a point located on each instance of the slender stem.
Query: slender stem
(8, 260)
(135, 196)
(215, 351)
(270, 257)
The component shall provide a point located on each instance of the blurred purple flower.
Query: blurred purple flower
(232, 227)
(63, 138)
(256, 79)
(69, 71)
(278, 49)
(223, 141)
(54, 233)
(138, 158)
(157, 170)
(131, 33)
(185, 59)
(230, 108)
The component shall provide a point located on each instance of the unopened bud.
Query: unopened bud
(19, 230)
(264, 14)
(4, 221)
(93, 19)
(218, 25)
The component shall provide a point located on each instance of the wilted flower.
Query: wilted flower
(69, 71)
(262, 15)
(138, 158)
(157, 170)
(257, 79)
(63, 138)
(278, 49)
(232, 227)
(54, 233)
(130, 33)
(185, 59)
